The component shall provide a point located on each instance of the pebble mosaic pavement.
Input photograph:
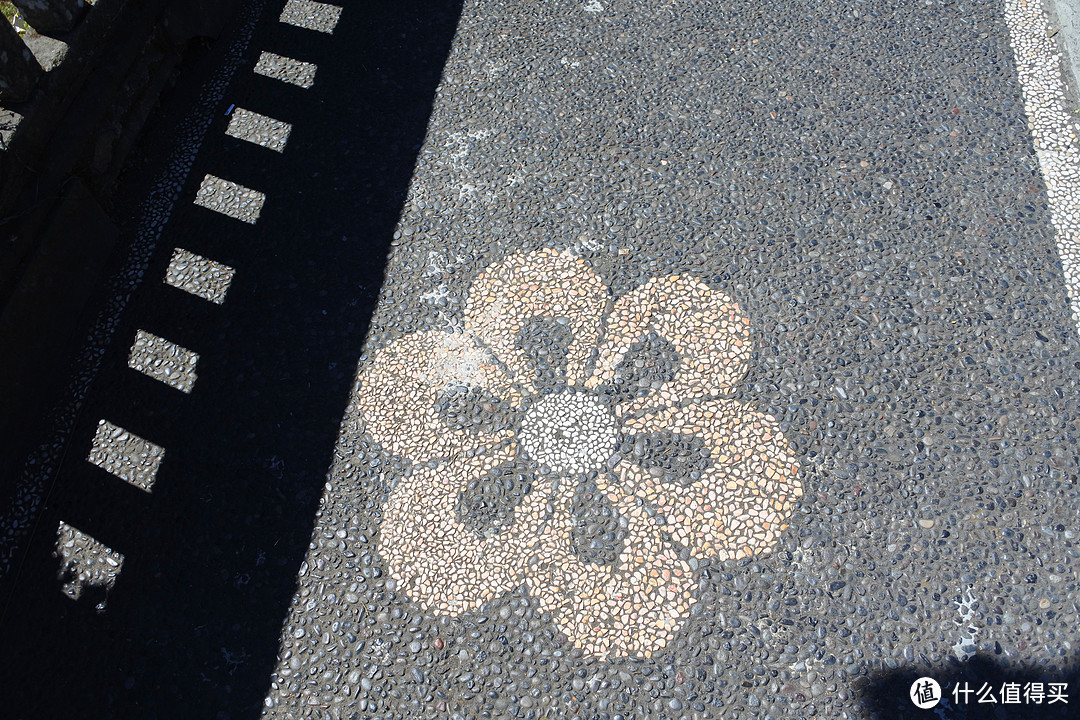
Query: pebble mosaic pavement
(579, 433)
(199, 276)
(725, 360)
(724, 356)
(126, 455)
(85, 561)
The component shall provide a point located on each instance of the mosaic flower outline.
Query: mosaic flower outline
(700, 475)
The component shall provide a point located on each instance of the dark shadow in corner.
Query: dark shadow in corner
(886, 696)
(191, 628)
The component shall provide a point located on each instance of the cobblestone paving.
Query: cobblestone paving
(723, 366)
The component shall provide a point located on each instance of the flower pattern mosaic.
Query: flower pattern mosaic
(557, 409)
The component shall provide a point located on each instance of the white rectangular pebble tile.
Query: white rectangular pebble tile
(126, 455)
(286, 69)
(84, 562)
(259, 129)
(163, 360)
(199, 276)
(321, 17)
(229, 198)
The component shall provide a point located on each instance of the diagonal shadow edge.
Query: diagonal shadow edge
(192, 625)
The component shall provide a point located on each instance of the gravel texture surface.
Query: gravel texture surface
(199, 276)
(163, 360)
(722, 364)
(859, 181)
(126, 455)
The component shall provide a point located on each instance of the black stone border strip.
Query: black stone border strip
(31, 484)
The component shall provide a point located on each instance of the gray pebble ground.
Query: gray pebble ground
(724, 364)
(861, 180)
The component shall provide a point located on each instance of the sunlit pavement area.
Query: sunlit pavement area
(611, 360)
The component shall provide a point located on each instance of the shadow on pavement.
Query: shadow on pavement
(191, 627)
(1008, 691)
